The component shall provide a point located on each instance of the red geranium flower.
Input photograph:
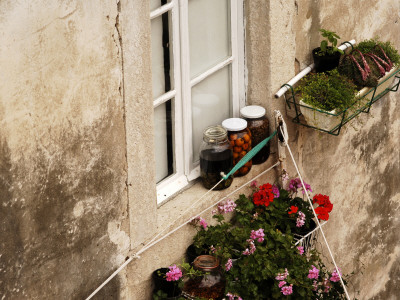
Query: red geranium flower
(324, 208)
(293, 210)
(264, 196)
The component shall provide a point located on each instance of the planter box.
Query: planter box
(332, 120)
(326, 120)
(384, 83)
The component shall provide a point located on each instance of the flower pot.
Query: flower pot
(326, 62)
(171, 288)
(322, 119)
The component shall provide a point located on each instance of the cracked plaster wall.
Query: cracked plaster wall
(63, 203)
(63, 155)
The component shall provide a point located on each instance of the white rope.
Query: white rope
(154, 241)
(316, 218)
(187, 210)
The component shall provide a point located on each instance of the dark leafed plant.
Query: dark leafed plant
(368, 62)
(327, 91)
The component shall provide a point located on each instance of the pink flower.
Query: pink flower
(212, 249)
(287, 290)
(281, 283)
(313, 273)
(254, 184)
(203, 222)
(226, 206)
(275, 190)
(228, 264)
(258, 235)
(282, 276)
(295, 185)
(335, 276)
(174, 273)
(233, 297)
(252, 248)
(300, 219)
(315, 285)
(301, 249)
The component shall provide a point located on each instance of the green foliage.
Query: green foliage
(370, 46)
(329, 45)
(351, 69)
(327, 91)
(254, 276)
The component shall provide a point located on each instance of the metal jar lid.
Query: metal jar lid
(252, 111)
(206, 262)
(234, 124)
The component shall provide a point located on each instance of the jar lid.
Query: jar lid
(206, 262)
(214, 134)
(252, 111)
(234, 124)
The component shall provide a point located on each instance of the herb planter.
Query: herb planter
(384, 85)
(326, 120)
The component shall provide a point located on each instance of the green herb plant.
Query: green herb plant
(327, 91)
(328, 46)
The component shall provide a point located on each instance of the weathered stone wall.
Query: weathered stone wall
(77, 192)
(62, 149)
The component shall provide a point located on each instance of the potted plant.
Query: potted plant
(327, 55)
(325, 97)
(269, 266)
(168, 282)
(372, 63)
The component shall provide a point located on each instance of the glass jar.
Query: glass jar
(215, 157)
(258, 124)
(211, 285)
(240, 141)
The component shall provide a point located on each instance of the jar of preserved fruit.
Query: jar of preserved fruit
(240, 141)
(258, 124)
(211, 285)
(215, 157)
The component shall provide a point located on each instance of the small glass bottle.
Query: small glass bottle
(215, 157)
(240, 141)
(211, 285)
(258, 124)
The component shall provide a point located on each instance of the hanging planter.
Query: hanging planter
(373, 67)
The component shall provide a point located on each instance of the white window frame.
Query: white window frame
(185, 169)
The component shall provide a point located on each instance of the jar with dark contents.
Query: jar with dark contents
(258, 124)
(209, 286)
(240, 141)
(215, 157)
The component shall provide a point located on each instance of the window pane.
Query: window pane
(163, 138)
(161, 55)
(211, 104)
(209, 34)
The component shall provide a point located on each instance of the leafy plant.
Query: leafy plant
(327, 91)
(374, 45)
(368, 62)
(257, 250)
(328, 46)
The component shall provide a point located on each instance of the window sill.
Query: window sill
(178, 210)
